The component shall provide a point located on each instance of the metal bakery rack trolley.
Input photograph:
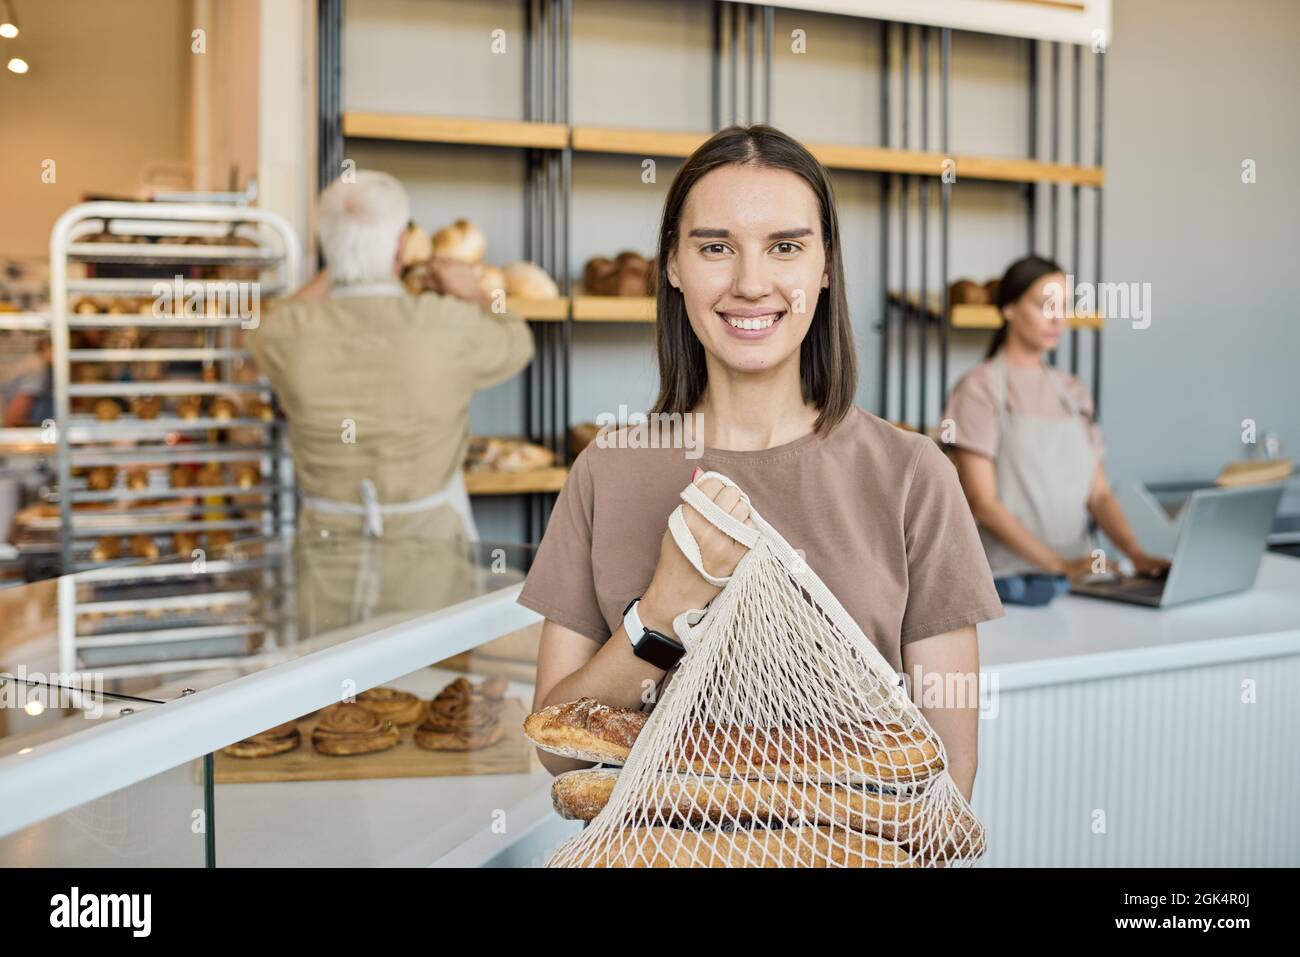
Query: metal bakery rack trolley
(166, 441)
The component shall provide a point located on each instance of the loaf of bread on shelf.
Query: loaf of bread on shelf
(462, 241)
(106, 549)
(491, 279)
(627, 274)
(865, 751)
(525, 280)
(580, 436)
(967, 292)
(143, 546)
(417, 246)
(106, 410)
(488, 454)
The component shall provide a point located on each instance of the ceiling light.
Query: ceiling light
(8, 22)
(17, 65)
(8, 30)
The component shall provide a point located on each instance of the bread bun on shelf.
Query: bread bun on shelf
(137, 479)
(106, 549)
(146, 406)
(580, 436)
(416, 245)
(525, 280)
(991, 290)
(627, 274)
(102, 478)
(967, 292)
(143, 546)
(106, 410)
(462, 240)
(488, 454)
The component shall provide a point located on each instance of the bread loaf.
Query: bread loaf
(791, 847)
(869, 751)
(462, 240)
(525, 280)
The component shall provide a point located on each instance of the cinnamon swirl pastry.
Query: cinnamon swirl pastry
(277, 740)
(463, 717)
(347, 728)
(399, 707)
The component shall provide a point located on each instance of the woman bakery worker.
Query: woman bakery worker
(754, 335)
(376, 383)
(1028, 452)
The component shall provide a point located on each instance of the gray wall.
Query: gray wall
(1193, 89)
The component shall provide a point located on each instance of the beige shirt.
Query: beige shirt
(878, 512)
(973, 405)
(379, 387)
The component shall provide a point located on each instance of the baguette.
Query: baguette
(873, 751)
(680, 801)
(790, 847)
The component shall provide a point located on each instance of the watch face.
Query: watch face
(658, 649)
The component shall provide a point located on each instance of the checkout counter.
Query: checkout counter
(1112, 735)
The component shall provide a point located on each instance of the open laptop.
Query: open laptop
(1221, 538)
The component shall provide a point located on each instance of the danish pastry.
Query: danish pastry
(463, 717)
(348, 728)
(399, 707)
(277, 740)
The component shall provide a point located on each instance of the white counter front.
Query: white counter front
(1119, 735)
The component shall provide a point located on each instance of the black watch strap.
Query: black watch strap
(654, 646)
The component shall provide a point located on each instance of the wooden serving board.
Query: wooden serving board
(513, 754)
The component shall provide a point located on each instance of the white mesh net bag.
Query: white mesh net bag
(784, 739)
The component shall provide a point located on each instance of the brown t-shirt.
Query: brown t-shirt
(973, 403)
(878, 512)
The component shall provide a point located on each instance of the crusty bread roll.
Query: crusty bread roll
(525, 280)
(143, 546)
(106, 410)
(416, 245)
(586, 729)
(137, 478)
(871, 751)
(600, 276)
(461, 240)
(806, 846)
(968, 292)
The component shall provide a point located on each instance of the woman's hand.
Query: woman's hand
(1149, 565)
(1083, 566)
(451, 277)
(676, 586)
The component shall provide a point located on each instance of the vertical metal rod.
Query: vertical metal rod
(1054, 189)
(885, 183)
(924, 313)
(1031, 189)
(769, 20)
(329, 93)
(566, 232)
(945, 199)
(735, 60)
(1075, 261)
(904, 210)
(749, 64)
(1100, 62)
(715, 67)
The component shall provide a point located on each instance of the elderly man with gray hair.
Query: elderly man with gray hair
(376, 383)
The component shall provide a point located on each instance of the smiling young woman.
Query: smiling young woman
(754, 337)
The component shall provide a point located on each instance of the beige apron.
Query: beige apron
(370, 509)
(1044, 473)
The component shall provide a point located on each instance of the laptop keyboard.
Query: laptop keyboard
(1141, 585)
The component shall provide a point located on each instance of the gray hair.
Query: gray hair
(359, 222)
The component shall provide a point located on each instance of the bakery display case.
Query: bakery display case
(377, 722)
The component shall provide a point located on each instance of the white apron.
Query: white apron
(370, 508)
(1044, 472)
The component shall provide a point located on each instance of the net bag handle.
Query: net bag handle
(719, 519)
(687, 621)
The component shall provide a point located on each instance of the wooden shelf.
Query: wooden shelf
(648, 142)
(971, 316)
(455, 129)
(540, 310)
(516, 483)
(614, 308)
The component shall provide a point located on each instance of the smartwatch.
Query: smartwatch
(647, 644)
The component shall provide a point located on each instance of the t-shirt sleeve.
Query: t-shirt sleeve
(494, 346)
(971, 418)
(1084, 397)
(949, 583)
(561, 584)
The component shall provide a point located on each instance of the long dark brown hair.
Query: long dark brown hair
(1020, 275)
(828, 369)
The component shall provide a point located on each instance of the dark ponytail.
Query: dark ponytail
(1020, 275)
